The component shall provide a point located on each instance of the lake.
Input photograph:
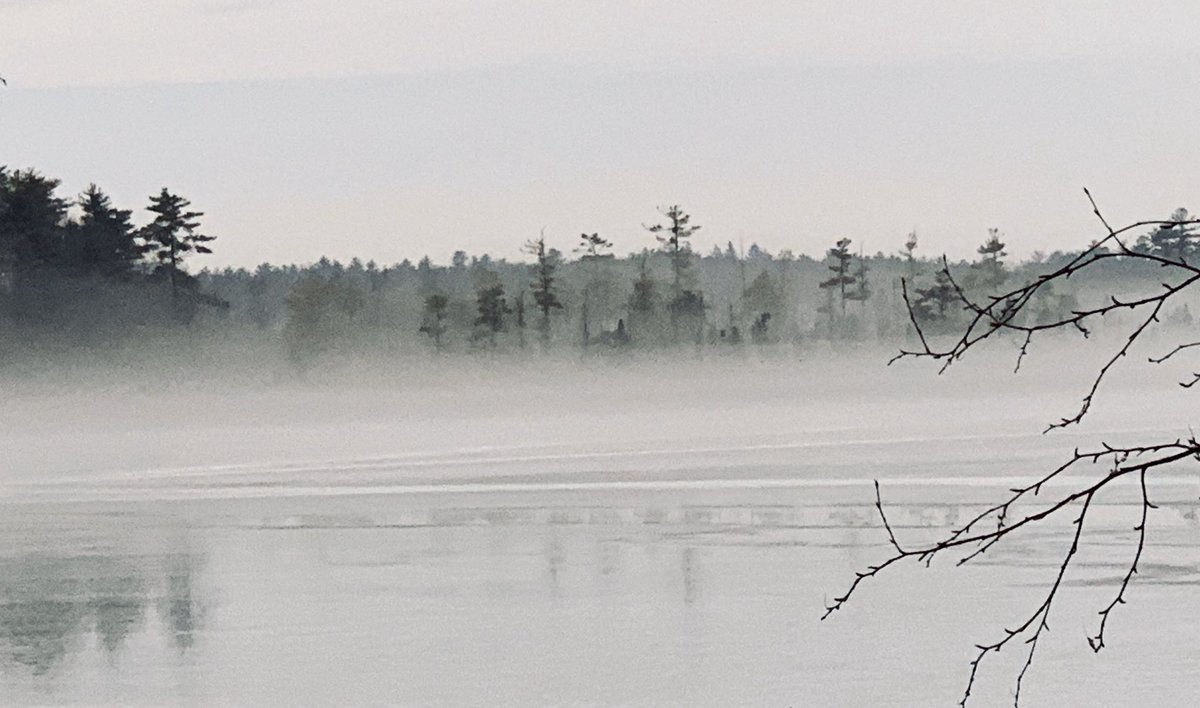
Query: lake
(632, 538)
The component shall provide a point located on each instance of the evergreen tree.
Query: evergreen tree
(644, 298)
(644, 305)
(673, 240)
(760, 330)
(1176, 240)
(932, 304)
(103, 240)
(862, 286)
(686, 307)
(519, 312)
(32, 221)
(491, 307)
(761, 296)
(839, 281)
(173, 234)
(592, 249)
(544, 296)
(592, 245)
(426, 277)
(434, 323)
(989, 271)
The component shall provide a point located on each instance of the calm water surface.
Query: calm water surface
(629, 539)
(670, 597)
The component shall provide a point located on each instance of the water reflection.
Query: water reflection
(691, 578)
(182, 613)
(600, 601)
(116, 603)
(40, 615)
(50, 605)
(555, 559)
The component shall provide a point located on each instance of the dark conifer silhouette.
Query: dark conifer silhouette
(543, 288)
(32, 220)
(1175, 239)
(673, 237)
(173, 235)
(492, 308)
(934, 304)
(989, 271)
(841, 279)
(103, 240)
(434, 323)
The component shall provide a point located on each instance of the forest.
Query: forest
(78, 272)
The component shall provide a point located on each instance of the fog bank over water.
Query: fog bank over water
(642, 532)
(481, 418)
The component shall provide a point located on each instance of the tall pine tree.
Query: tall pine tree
(173, 235)
(544, 295)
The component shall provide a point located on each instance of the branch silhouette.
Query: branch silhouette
(1001, 313)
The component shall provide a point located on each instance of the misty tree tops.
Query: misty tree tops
(72, 265)
(989, 271)
(492, 308)
(846, 282)
(673, 237)
(434, 320)
(592, 245)
(1175, 241)
(39, 234)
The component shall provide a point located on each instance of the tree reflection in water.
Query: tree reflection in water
(50, 604)
(182, 613)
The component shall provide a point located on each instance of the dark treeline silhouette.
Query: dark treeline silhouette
(81, 270)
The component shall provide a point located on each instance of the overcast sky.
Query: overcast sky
(392, 128)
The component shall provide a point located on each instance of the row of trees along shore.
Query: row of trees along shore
(81, 271)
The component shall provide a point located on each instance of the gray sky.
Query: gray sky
(391, 129)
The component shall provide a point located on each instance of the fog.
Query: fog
(640, 530)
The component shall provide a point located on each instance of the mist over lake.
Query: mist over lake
(633, 533)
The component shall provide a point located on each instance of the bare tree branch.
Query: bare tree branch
(993, 314)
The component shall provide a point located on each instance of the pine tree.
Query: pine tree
(761, 296)
(592, 245)
(840, 280)
(862, 286)
(434, 323)
(932, 304)
(990, 268)
(592, 249)
(103, 240)
(544, 296)
(686, 307)
(173, 234)
(32, 218)
(519, 312)
(673, 240)
(491, 307)
(1174, 240)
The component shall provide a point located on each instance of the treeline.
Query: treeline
(81, 270)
